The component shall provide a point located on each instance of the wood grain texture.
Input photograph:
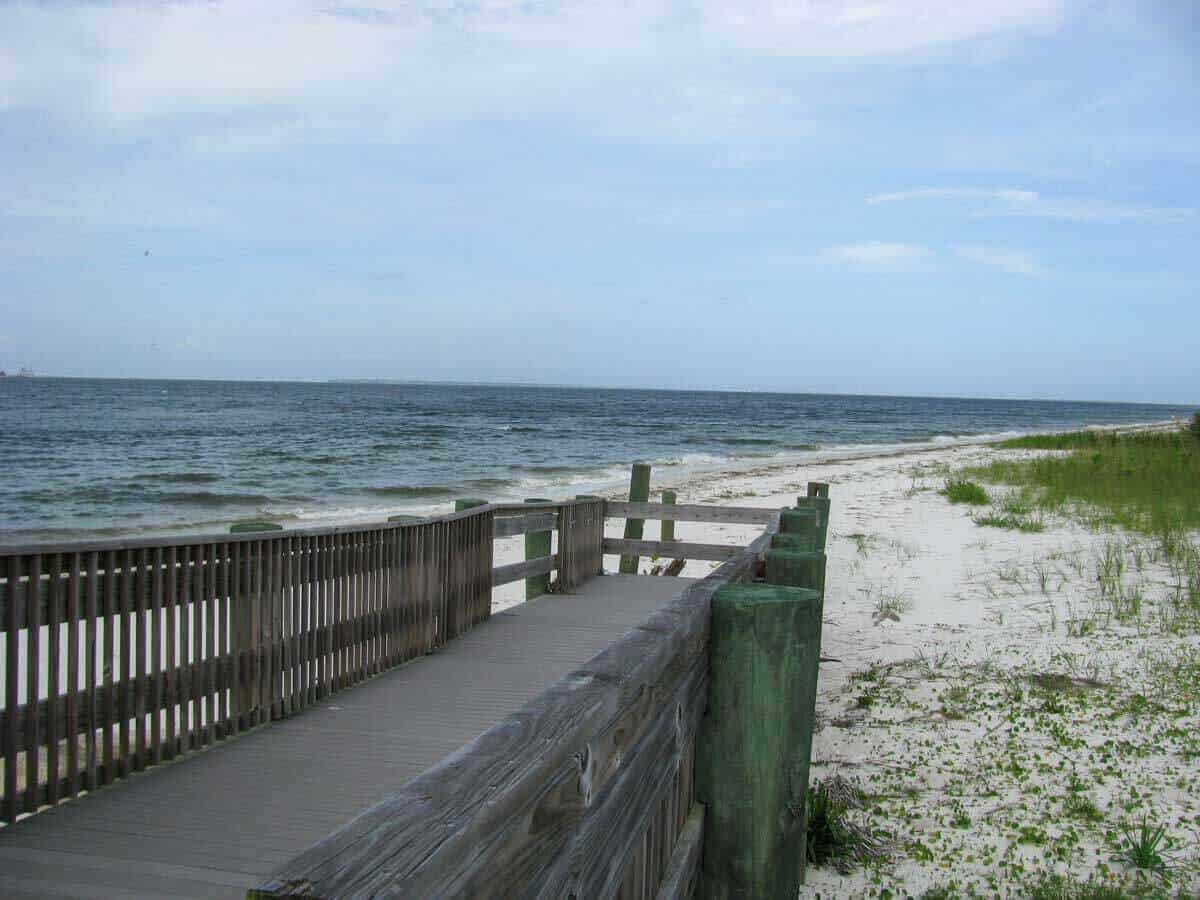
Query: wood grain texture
(679, 880)
(674, 549)
(687, 512)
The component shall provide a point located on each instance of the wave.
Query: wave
(549, 470)
(411, 490)
(179, 477)
(747, 442)
(490, 483)
(212, 498)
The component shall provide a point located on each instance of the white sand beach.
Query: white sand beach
(1003, 716)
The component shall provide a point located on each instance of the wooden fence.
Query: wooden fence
(586, 791)
(123, 654)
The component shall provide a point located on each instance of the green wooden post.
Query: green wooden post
(751, 762)
(803, 570)
(537, 544)
(639, 492)
(801, 541)
(668, 525)
(468, 503)
(404, 518)
(818, 499)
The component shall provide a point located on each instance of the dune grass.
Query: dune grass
(959, 490)
(1141, 481)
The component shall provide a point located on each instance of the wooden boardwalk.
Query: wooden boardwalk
(216, 822)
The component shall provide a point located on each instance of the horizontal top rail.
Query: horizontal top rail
(225, 537)
(690, 512)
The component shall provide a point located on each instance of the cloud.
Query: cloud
(1014, 202)
(1016, 262)
(313, 70)
(877, 253)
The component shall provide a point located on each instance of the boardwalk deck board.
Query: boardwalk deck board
(256, 801)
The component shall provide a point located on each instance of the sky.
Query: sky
(995, 198)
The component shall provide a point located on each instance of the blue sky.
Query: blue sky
(886, 197)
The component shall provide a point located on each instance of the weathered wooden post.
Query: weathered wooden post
(537, 544)
(805, 568)
(752, 758)
(818, 499)
(668, 525)
(639, 492)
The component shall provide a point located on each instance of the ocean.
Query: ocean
(91, 457)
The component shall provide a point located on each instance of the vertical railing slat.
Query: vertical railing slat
(33, 657)
(12, 697)
(90, 674)
(171, 682)
(158, 698)
(197, 656)
(139, 692)
(210, 644)
(125, 654)
(185, 649)
(237, 638)
(53, 662)
(74, 597)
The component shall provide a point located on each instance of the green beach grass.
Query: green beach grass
(1147, 482)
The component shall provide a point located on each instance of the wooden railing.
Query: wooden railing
(586, 791)
(122, 654)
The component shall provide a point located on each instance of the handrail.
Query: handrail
(88, 545)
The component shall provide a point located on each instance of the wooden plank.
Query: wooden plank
(139, 696)
(210, 642)
(197, 654)
(525, 568)
(173, 587)
(224, 604)
(74, 599)
(255, 603)
(33, 656)
(185, 648)
(679, 881)
(511, 526)
(689, 512)
(291, 611)
(125, 656)
(12, 699)
(239, 715)
(674, 549)
(156, 662)
(90, 675)
(53, 687)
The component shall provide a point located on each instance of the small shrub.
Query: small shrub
(1194, 428)
(833, 839)
(1143, 847)
(959, 490)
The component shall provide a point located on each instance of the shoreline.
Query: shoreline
(670, 473)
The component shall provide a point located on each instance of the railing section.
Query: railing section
(586, 791)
